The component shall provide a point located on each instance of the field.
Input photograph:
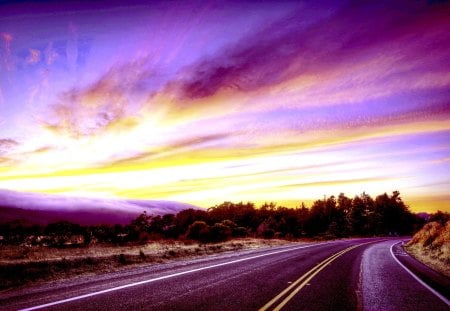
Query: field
(20, 265)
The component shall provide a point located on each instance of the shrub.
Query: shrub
(240, 232)
(144, 237)
(228, 223)
(268, 234)
(220, 232)
(199, 230)
(122, 259)
(142, 254)
(278, 235)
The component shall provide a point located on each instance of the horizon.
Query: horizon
(64, 201)
(206, 102)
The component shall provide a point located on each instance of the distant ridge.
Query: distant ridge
(37, 208)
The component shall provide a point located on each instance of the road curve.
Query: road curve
(351, 274)
(387, 284)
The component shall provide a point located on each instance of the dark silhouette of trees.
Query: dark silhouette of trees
(198, 230)
(327, 218)
(60, 233)
(361, 211)
(186, 217)
(440, 217)
(391, 215)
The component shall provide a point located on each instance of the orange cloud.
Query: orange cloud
(34, 56)
(102, 105)
(7, 38)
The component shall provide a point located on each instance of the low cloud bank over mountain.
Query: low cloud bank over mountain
(36, 208)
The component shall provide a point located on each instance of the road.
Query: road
(353, 274)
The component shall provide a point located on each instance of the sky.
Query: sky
(209, 101)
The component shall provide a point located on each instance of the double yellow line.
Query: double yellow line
(304, 279)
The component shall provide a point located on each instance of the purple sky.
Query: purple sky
(208, 101)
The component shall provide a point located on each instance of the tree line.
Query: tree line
(332, 217)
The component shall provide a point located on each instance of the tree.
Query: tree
(358, 218)
(440, 217)
(394, 216)
(142, 222)
(186, 217)
(199, 230)
(318, 220)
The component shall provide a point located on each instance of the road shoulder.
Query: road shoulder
(432, 278)
(386, 285)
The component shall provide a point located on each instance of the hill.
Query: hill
(36, 208)
(431, 245)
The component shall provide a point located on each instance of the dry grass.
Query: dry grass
(22, 265)
(431, 245)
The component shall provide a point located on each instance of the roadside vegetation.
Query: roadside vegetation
(431, 244)
(31, 252)
(21, 265)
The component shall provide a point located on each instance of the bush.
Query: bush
(240, 232)
(144, 237)
(220, 232)
(142, 254)
(122, 259)
(199, 231)
(229, 223)
(268, 234)
(278, 235)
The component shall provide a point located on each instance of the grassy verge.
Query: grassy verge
(25, 265)
(431, 246)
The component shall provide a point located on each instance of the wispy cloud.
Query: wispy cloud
(34, 56)
(7, 147)
(169, 150)
(7, 144)
(334, 182)
(113, 99)
(295, 62)
(50, 54)
(349, 38)
(6, 39)
(72, 46)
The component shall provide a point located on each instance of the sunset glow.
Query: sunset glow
(204, 102)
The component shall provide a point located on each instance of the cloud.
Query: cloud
(34, 56)
(170, 149)
(112, 100)
(72, 46)
(200, 141)
(50, 54)
(345, 55)
(334, 182)
(340, 42)
(441, 161)
(7, 38)
(7, 144)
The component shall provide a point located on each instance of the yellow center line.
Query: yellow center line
(284, 292)
(294, 292)
(308, 276)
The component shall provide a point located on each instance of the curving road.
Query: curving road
(354, 274)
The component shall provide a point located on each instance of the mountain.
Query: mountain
(37, 208)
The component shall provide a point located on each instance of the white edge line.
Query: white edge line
(445, 300)
(162, 278)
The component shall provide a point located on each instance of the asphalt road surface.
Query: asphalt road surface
(353, 274)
